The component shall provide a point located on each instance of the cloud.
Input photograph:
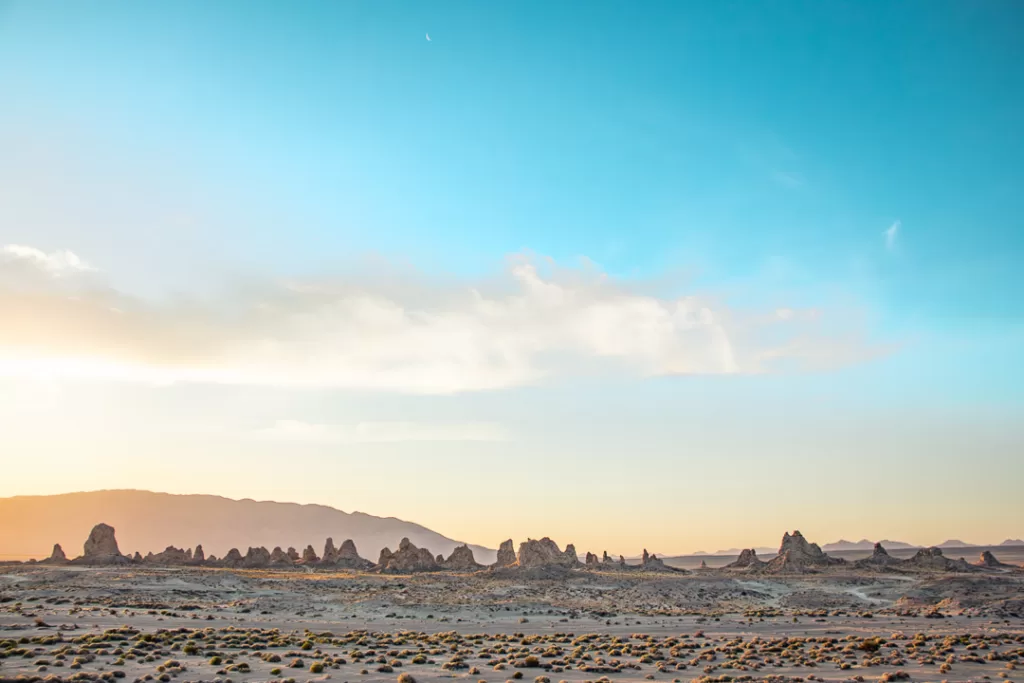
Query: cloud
(408, 333)
(56, 263)
(380, 432)
(890, 234)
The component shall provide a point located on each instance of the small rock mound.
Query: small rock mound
(748, 560)
(57, 556)
(462, 560)
(986, 559)
(170, 557)
(932, 559)
(879, 558)
(652, 563)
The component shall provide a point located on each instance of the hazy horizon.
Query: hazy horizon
(492, 545)
(679, 276)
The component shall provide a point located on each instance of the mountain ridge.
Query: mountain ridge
(149, 521)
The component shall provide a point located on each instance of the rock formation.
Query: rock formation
(233, 558)
(879, 558)
(407, 559)
(293, 554)
(57, 556)
(330, 552)
(101, 547)
(309, 555)
(592, 559)
(986, 559)
(703, 564)
(651, 562)
(256, 558)
(605, 559)
(506, 554)
(171, 557)
(797, 555)
(461, 560)
(545, 553)
(279, 558)
(198, 557)
(137, 557)
(748, 560)
(932, 559)
(347, 557)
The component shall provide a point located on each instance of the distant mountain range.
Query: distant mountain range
(147, 521)
(863, 544)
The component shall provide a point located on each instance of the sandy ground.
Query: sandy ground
(72, 623)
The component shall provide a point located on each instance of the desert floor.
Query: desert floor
(77, 623)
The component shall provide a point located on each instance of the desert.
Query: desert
(536, 612)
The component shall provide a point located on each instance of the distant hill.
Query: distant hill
(147, 521)
(956, 543)
(1012, 541)
(863, 544)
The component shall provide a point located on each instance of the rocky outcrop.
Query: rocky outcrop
(57, 556)
(330, 552)
(198, 557)
(703, 565)
(506, 554)
(137, 557)
(406, 560)
(797, 555)
(279, 558)
(986, 560)
(545, 553)
(605, 559)
(170, 557)
(256, 558)
(652, 563)
(592, 560)
(748, 561)
(101, 548)
(293, 554)
(461, 560)
(879, 558)
(932, 559)
(309, 556)
(232, 559)
(348, 557)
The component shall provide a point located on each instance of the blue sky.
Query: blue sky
(751, 154)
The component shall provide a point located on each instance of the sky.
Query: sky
(680, 276)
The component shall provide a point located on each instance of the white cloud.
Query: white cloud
(890, 234)
(380, 432)
(402, 333)
(55, 263)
